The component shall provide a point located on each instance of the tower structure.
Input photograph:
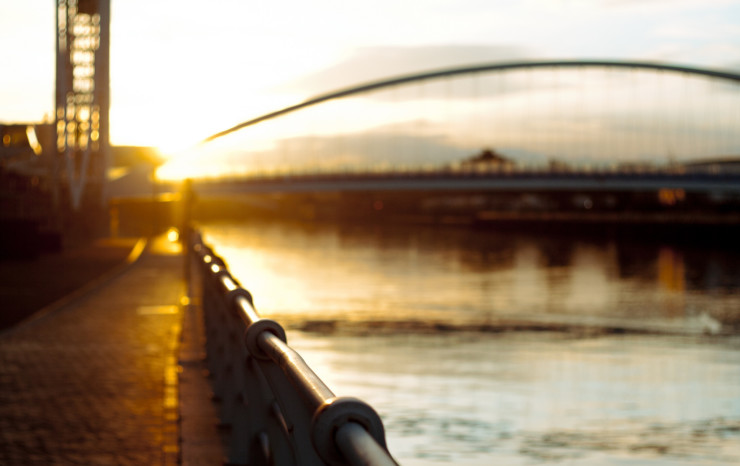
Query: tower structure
(82, 100)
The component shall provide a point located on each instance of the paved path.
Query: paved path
(96, 382)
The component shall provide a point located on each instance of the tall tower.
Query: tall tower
(82, 99)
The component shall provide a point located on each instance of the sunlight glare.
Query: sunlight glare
(173, 234)
(173, 146)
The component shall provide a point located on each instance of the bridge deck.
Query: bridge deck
(96, 380)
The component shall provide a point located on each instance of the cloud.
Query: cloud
(720, 55)
(374, 63)
(385, 147)
(697, 30)
(669, 5)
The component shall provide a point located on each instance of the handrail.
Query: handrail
(278, 411)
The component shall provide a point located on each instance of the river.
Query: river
(517, 348)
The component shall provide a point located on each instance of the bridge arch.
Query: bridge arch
(480, 68)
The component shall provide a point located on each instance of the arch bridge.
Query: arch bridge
(620, 135)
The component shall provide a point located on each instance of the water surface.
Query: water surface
(413, 320)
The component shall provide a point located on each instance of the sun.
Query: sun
(171, 147)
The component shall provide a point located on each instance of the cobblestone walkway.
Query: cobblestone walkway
(95, 383)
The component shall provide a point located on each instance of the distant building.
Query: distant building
(488, 159)
(558, 166)
(716, 166)
(28, 223)
(23, 148)
(18, 140)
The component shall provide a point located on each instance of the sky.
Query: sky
(182, 70)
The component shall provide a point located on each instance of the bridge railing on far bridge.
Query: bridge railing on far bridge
(278, 411)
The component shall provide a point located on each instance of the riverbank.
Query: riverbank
(27, 286)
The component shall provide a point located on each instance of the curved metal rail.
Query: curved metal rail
(277, 410)
(719, 74)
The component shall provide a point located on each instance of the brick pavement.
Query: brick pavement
(96, 382)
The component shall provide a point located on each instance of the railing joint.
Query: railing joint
(332, 415)
(255, 330)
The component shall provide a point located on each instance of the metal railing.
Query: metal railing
(276, 409)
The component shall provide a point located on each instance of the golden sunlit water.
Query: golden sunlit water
(414, 320)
